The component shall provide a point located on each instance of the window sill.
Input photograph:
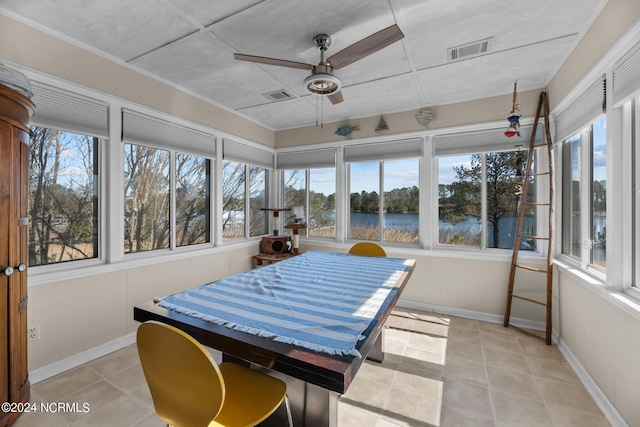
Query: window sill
(443, 252)
(54, 273)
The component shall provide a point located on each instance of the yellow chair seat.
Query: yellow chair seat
(250, 397)
(368, 249)
(189, 389)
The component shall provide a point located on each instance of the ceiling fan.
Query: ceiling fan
(322, 81)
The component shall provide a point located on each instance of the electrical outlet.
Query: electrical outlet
(33, 333)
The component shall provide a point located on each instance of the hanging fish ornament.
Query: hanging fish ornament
(514, 116)
(382, 126)
(345, 130)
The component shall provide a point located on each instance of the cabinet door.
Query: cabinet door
(5, 220)
(18, 236)
(14, 202)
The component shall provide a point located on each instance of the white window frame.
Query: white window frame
(54, 120)
(381, 203)
(586, 187)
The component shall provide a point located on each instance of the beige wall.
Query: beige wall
(77, 315)
(31, 48)
(464, 113)
(604, 338)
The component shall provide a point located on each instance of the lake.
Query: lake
(470, 227)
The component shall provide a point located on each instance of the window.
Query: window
(479, 197)
(167, 191)
(309, 180)
(233, 200)
(236, 192)
(384, 200)
(192, 200)
(148, 221)
(63, 196)
(314, 189)
(584, 193)
(244, 190)
(64, 176)
(459, 219)
(571, 230)
(257, 201)
(146, 198)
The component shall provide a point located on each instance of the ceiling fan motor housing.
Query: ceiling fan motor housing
(322, 41)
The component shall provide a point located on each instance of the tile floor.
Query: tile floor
(438, 371)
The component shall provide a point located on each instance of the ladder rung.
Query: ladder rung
(536, 204)
(540, 145)
(541, 173)
(530, 300)
(526, 267)
(534, 237)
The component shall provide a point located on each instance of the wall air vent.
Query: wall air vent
(278, 95)
(469, 50)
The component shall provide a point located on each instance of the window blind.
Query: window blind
(383, 151)
(62, 109)
(589, 105)
(144, 129)
(626, 75)
(483, 141)
(243, 153)
(308, 159)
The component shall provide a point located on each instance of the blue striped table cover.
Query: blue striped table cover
(322, 301)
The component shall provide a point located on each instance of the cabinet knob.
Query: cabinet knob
(10, 270)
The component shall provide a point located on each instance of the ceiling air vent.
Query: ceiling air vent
(469, 50)
(278, 95)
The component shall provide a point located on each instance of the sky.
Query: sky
(365, 176)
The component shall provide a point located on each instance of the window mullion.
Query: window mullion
(483, 203)
(381, 205)
(633, 138)
(585, 198)
(172, 199)
(307, 199)
(247, 203)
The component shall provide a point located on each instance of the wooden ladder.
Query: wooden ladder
(543, 108)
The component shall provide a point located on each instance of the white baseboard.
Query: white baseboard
(605, 405)
(45, 372)
(475, 315)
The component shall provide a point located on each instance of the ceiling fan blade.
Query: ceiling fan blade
(272, 61)
(336, 98)
(366, 47)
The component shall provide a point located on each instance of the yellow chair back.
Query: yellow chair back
(367, 248)
(185, 382)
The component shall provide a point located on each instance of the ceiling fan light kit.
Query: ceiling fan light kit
(322, 82)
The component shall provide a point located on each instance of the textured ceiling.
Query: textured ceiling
(190, 43)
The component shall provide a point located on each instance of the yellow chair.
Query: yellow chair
(189, 389)
(368, 249)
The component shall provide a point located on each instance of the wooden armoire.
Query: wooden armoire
(15, 112)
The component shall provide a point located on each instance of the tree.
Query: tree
(462, 197)
(62, 196)
(233, 194)
(192, 200)
(147, 198)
